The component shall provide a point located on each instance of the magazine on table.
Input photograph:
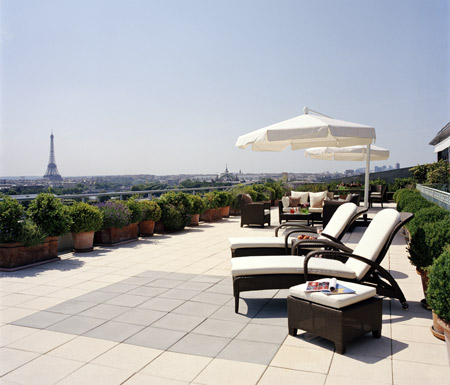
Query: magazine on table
(327, 286)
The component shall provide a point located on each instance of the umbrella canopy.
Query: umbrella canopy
(306, 131)
(352, 153)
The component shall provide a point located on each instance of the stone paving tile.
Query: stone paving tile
(40, 320)
(311, 360)
(118, 288)
(12, 358)
(219, 328)
(104, 311)
(44, 370)
(156, 338)
(125, 356)
(142, 317)
(76, 325)
(165, 283)
(196, 308)
(12, 333)
(98, 375)
(263, 333)
(98, 296)
(161, 304)
(291, 377)
(129, 300)
(180, 322)
(201, 345)
(249, 351)
(83, 349)
(212, 298)
(187, 367)
(179, 294)
(114, 331)
(71, 307)
(145, 379)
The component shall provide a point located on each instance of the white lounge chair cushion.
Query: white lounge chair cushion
(300, 194)
(249, 242)
(373, 240)
(287, 264)
(336, 301)
(266, 211)
(340, 219)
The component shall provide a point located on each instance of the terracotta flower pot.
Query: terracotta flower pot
(437, 330)
(116, 235)
(424, 277)
(225, 212)
(216, 215)
(207, 215)
(83, 242)
(195, 218)
(159, 227)
(15, 254)
(146, 228)
(446, 327)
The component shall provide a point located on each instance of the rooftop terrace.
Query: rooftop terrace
(161, 311)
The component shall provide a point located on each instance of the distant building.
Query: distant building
(397, 166)
(52, 172)
(441, 143)
(227, 176)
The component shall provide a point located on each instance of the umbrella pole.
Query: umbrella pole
(366, 182)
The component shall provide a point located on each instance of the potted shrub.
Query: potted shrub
(22, 242)
(428, 240)
(151, 213)
(224, 200)
(116, 227)
(198, 206)
(212, 205)
(438, 293)
(136, 215)
(86, 220)
(175, 209)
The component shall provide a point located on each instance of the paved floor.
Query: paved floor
(160, 311)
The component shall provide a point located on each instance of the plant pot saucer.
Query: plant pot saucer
(437, 334)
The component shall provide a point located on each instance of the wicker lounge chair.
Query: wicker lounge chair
(377, 195)
(362, 264)
(339, 224)
(254, 213)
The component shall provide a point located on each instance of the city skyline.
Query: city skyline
(165, 88)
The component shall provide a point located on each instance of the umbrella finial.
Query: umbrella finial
(305, 110)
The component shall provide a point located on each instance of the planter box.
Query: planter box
(15, 255)
(194, 219)
(207, 215)
(159, 227)
(83, 242)
(216, 215)
(115, 235)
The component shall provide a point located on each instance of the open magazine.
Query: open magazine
(327, 286)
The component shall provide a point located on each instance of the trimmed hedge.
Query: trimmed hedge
(439, 286)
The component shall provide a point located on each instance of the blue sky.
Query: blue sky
(166, 87)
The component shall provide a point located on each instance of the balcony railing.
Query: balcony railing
(440, 197)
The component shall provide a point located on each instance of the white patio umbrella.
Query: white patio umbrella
(306, 131)
(351, 153)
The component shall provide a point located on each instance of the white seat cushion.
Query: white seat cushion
(249, 242)
(315, 209)
(338, 300)
(373, 240)
(287, 264)
(266, 211)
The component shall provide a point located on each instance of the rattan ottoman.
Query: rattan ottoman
(339, 318)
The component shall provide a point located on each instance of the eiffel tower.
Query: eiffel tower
(52, 170)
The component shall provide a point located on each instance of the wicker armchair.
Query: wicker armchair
(377, 194)
(253, 213)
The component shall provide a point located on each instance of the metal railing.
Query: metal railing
(442, 198)
(120, 194)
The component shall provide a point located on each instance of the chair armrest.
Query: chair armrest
(330, 254)
(296, 225)
(316, 243)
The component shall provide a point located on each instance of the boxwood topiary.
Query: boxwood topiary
(430, 214)
(50, 215)
(398, 195)
(135, 209)
(415, 204)
(198, 205)
(408, 197)
(439, 286)
(175, 209)
(85, 218)
(428, 242)
(150, 210)
(212, 200)
(31, 234)
(11, 214)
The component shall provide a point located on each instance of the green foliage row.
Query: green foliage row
(430, 173)
(150, 210)
(439, 286)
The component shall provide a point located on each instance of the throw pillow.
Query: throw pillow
(300, 194)
(246, 198)
(316, 199)
(294, 202)
(285, 201)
